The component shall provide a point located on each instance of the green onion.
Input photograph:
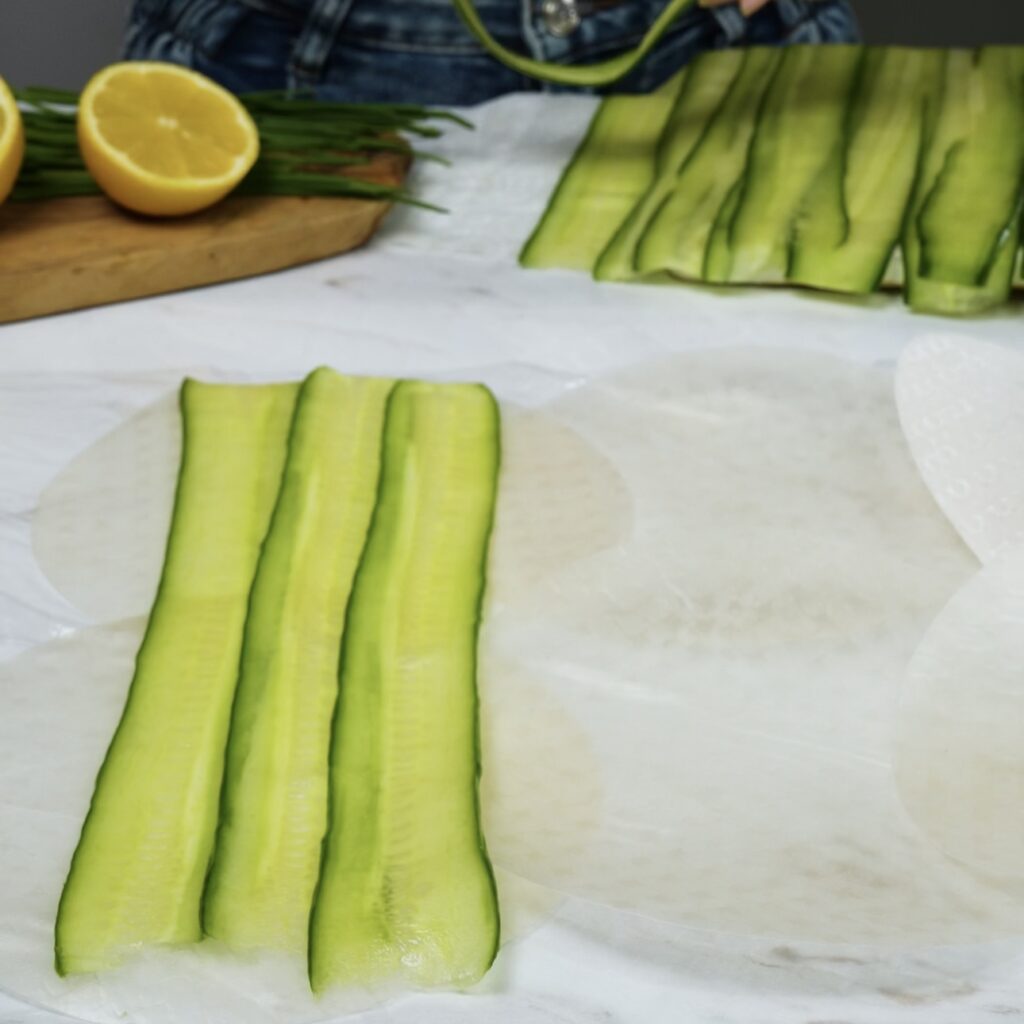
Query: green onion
(304, 145)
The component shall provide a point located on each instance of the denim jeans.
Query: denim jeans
(420, 51)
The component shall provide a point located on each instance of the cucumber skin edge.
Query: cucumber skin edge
(58, 961)
(478, 621)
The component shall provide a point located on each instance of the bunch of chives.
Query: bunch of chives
(305, 145)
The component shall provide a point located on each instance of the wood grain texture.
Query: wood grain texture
(62, 254)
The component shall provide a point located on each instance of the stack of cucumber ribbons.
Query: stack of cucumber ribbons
(840, 168)
(296, 765)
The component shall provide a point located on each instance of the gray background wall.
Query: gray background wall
(59, 42)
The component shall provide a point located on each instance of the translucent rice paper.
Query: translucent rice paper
(960, 744)
(708, 577)
(735, 663)
(961, 403)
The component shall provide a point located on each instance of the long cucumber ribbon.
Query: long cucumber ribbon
(601, 73)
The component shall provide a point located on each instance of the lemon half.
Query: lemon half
(164, 140)
(12, 140)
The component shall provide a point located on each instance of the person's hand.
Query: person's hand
(746, 6)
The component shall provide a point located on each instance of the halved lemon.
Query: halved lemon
(163, 140)
(12, 140)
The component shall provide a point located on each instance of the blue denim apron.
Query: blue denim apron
(420, 51)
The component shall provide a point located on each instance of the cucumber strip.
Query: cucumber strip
(964, 219)
(137, 875)
(405, 885)
(927, 295)
(678, 235)
(274, 798)
(601, 73)
(964, 223)
(708, 80)
(799, 131)
(851, 222)
(609, 170)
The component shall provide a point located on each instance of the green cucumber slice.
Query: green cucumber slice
(274, 798)
(927, 295)
(964, 219)
(963, 229)
(602, 73)
(137, 875)
(800, 129)
(852, 219)
(678, 235)
(609, 170)
(709, 77)
(405, 885)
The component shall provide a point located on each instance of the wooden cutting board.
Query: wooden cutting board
(63, 254)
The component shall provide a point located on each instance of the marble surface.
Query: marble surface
(443, 295)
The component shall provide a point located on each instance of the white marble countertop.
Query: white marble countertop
(441, 294)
